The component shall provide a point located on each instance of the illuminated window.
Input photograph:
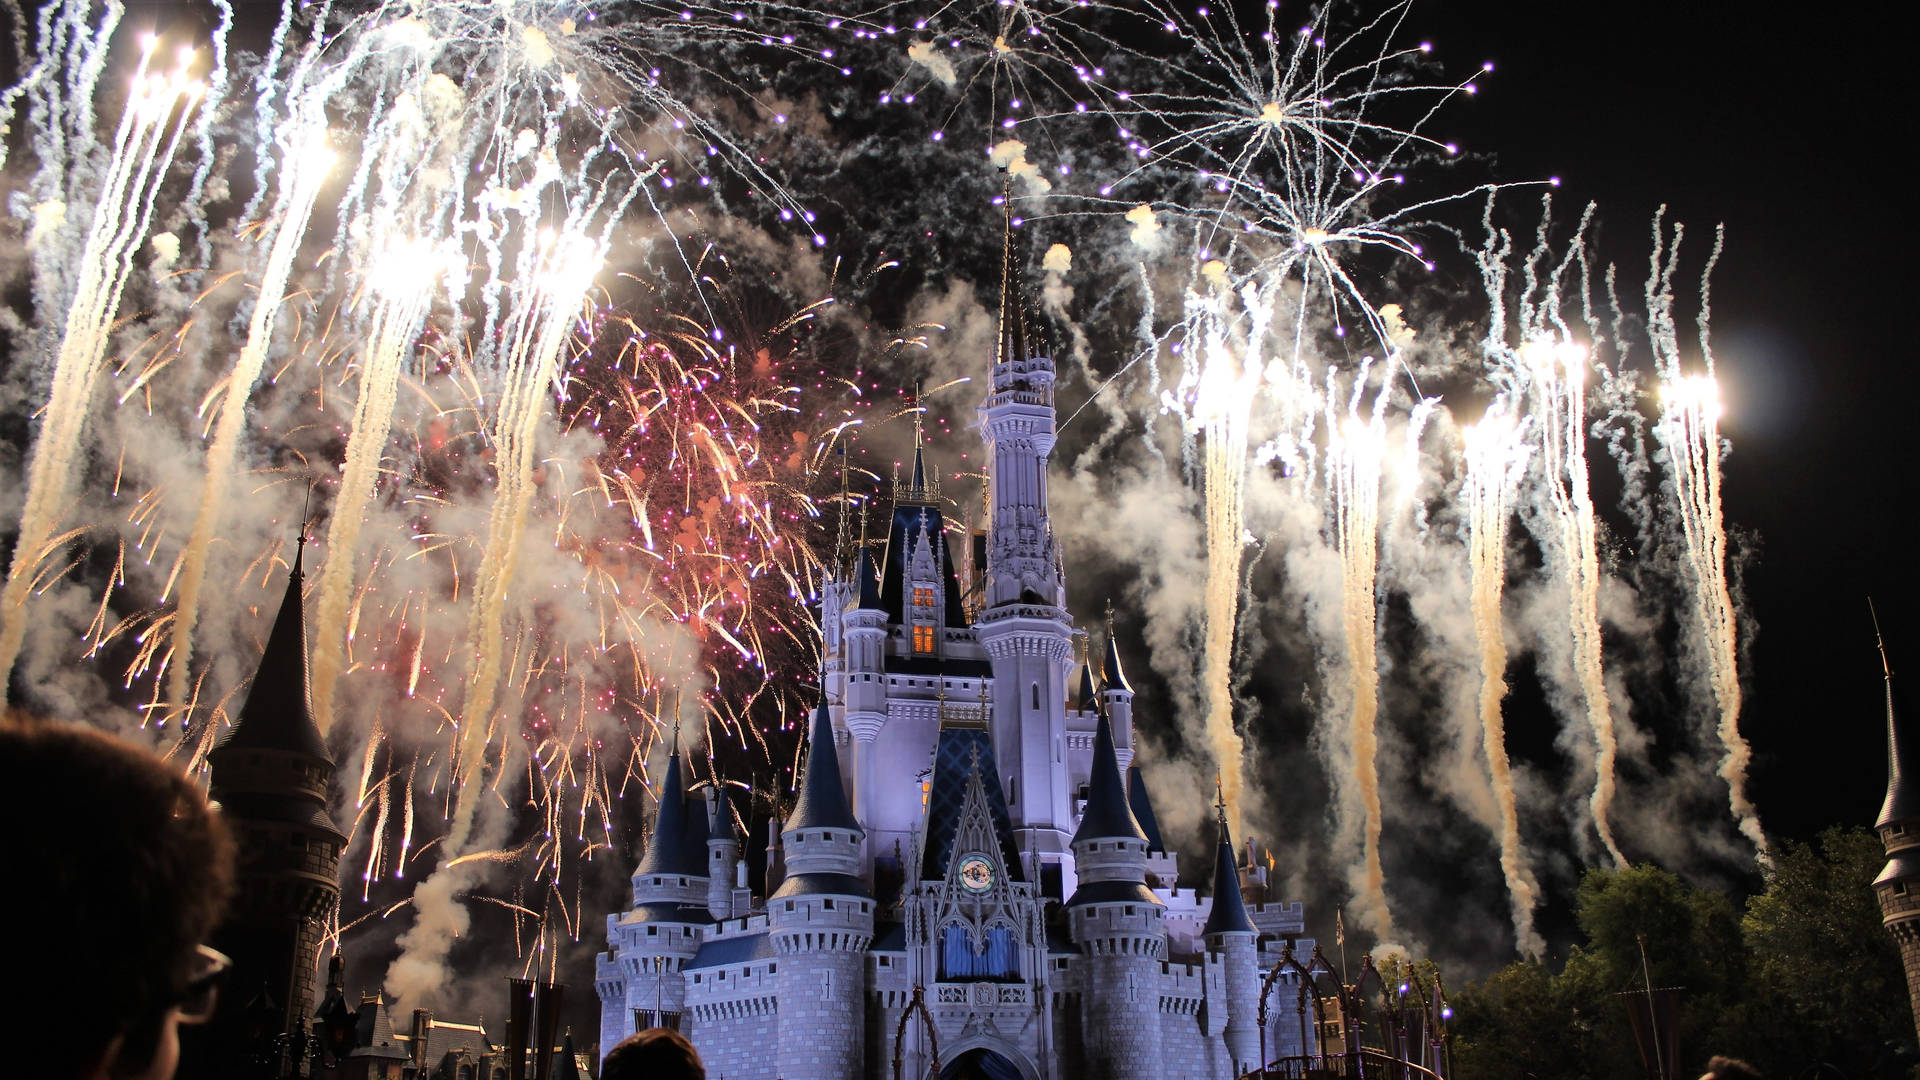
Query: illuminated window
(923, 639)
(923, 596)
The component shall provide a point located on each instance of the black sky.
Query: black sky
(1788, 130)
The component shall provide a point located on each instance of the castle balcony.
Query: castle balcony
(983, 995)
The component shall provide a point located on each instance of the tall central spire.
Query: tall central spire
(1011, 355)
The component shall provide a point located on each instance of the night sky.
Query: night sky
(1788, 132)
(1781, 130)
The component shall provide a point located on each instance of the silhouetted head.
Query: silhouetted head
(653, 1054)
(135, 871)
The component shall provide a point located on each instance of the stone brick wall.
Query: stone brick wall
(737, 1047)
(1120, 1018)
(1900, 911)
(822, 1016)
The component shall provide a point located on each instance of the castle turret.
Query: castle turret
(1231, 937)
(821, 922)
(1118, 924)
(1898, 886)
(723, 853)
(864, 639)
(1117, 696)
(652, 941)
(1023, 621)
(269, 775)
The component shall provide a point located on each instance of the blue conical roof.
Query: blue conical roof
(1229, 914)
(1107, 816)
(667, 849)
(869, 575)
(1142, 807)
(1088, 700)
(823, 797)
(1110, 673)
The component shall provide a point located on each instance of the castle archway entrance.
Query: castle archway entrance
(986, 1061)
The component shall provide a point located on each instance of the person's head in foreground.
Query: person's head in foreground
(653, 1054)
(122, 871)
(1726, 1068)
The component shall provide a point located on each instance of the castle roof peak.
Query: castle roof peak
(823, 795)
(278, 713)
(1228, 914)
(1107, 815)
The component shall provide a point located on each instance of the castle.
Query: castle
(995, 894)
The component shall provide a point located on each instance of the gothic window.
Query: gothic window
(923, 639)
(998, 958)
(922, 596)
(1036, 695)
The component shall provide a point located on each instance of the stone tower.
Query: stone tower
(1898, 886)
(1230, 938)
(670, 906)
(1117, 923)
(821, 922)
(269, 775)
(1023, 622)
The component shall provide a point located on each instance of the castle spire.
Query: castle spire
(1107, 815)
(1902, 803)
(823, 796)
(1110, 674)
(1229, 912)
(1899, 831)
(278, 713)
(1012, 351)
(666, 846)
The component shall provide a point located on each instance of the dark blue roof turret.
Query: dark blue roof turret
(1088, 700)
(1229, 914)
(667, 848)
(278, 714)
(869, 575)
(1110, 673)
(693, 833)
(1107, 816)
(1142, 807)
(823, 797)
(723, 813)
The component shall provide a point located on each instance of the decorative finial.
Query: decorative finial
(1220, 799)
(1878, 643)
(842, 553)
(1109, 617)
(919, 417)
(300, 541)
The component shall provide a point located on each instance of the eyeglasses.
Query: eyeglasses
(196, 1000)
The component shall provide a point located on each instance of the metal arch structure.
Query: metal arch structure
(918, 1004)
(1411, 1023)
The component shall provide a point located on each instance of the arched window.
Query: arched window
(1036, 696)
(998, 958)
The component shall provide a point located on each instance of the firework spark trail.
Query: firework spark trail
(1690, 429)
(404, 279)
(305, 174)
(1557, 373)
(554, 285)
(1496, 455)
(1219, 388)
(1356, 449)
(143, 149)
